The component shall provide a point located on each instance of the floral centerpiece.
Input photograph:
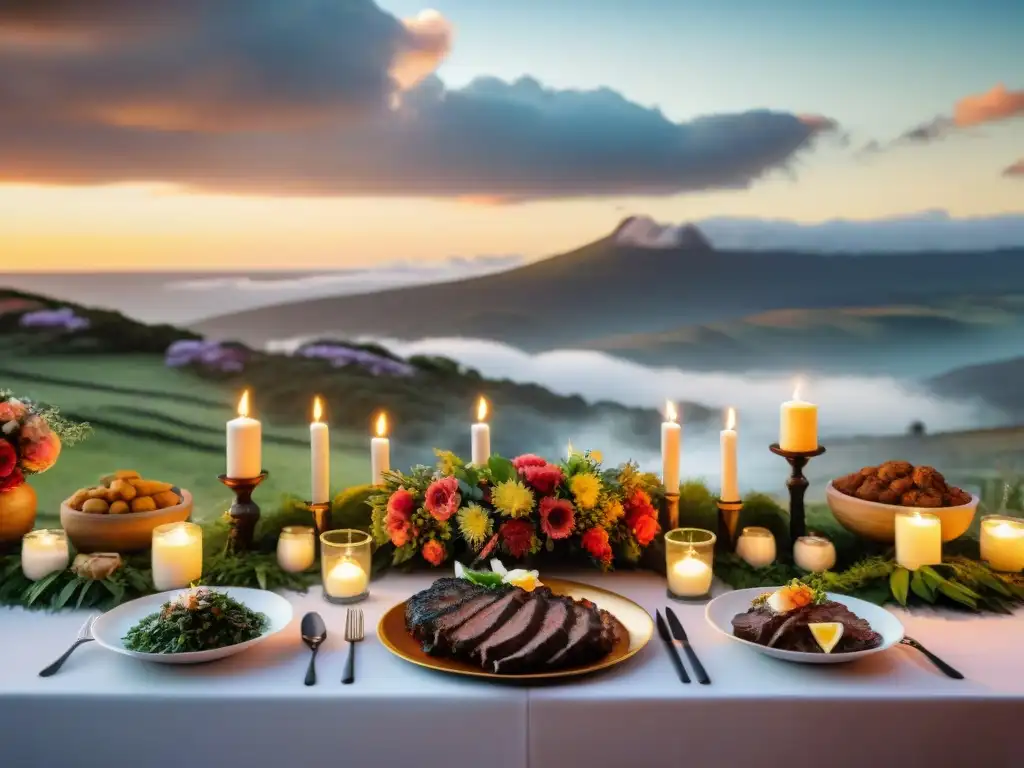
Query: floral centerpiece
(518, 507)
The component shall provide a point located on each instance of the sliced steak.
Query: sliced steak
(442, 596)
(584, 634)
(514, 633)
(436, 633)
(464, 639)
(789, 631)
(551, 637)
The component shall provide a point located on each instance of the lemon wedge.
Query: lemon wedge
(827, 634)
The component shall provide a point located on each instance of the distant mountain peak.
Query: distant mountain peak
(645, 232)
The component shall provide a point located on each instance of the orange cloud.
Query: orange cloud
(1016, 170)
(990, 107)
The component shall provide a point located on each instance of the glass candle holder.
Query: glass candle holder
(814, 553)
(345, 565)
(43, 552)
(296, 548)
(689, 558)
(177, 556)
(918, 539)
(756, 546)
(1002, 543)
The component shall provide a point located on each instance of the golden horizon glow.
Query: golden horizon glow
(481, 409)
(730, 419)
(670, 411)
(382, 425)
(318, 409)
(243, 404)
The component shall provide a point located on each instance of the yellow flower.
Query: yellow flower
(596, 456)
(526, 580)
(585, 489)
(474, 524)
(613, 511)
(512, 498)
(447, 462)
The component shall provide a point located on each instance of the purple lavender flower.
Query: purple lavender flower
(59, 319)
(339, 355)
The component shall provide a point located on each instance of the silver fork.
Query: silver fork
(353, 634)
(84, 636)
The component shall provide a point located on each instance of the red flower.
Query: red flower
(433, 552)
(398, 530)
(517, 536)
(639, 506)
(645, 529)
(527, 460)
(401, 505)
(443, 498)
(13, 480)
(543, 479)
(556, 517)
(595, 541)
(8, 458)
(41, 454)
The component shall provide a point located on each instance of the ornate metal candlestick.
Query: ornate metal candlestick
(728, 524)
(670, 512)
(321, 519)
(797, 485)
(244, 512)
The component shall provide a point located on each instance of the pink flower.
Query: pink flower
(517, 536)
(556, 517)
(401, 505)
(433, 552)
(543, 479)
(12, 481)
(8, 458)
(40, 455)
(35, 429)
(399, 531)
(443, 498)
(12, 410)
(645, 529)
(527, 460)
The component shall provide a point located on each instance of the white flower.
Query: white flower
(522, 578)
(9, 427)
(498, 567)
(460, 570)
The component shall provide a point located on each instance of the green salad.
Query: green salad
(199, 619)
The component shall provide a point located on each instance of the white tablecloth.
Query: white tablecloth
(253, 710)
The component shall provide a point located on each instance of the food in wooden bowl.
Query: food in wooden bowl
(120, 513)
(866, 501)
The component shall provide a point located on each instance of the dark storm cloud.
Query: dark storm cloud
(332, 97)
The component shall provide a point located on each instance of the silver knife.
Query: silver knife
(680, 635)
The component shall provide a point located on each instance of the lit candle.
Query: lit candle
(798, 430)
(346, 579)
(918, 540)
(689, 577)
(245, 447)
(671, 440)
(43, 552)
(756, 546)
(177, 557)
(730, 487)
(481, 435)
(380, 452)
(1002, 543)
(814, 553)
(296, 548)
(320, 456)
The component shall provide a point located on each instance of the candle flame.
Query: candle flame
(243, 404)
(796, 390)
(318, 409)
(178, 536)
(481, 409)
(730, 419)
(382, 424)
(670, 411)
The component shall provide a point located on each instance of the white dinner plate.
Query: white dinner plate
(110, 628)
(721, 610)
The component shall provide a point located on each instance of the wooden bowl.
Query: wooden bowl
(130, 532)
(877, 521)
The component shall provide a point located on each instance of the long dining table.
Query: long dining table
(251, 710)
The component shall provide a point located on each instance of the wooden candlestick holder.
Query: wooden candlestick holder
(670, 512)
(244, 512)
(728, 524)
(321, 519)
(797, 485)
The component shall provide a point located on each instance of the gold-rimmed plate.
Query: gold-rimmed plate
(636, 628)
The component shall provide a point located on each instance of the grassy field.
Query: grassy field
(166, 424)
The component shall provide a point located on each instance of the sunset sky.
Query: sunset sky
(323, 133)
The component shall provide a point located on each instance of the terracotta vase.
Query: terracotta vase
(17, 513)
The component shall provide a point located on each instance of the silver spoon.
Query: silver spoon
(314, 632)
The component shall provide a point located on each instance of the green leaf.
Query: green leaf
(85, 591)
(920, 587)
(36, 590)
(261, 575)
(985, 578)
(958, 594)
(899, 583)
(67, 592)
(11, 568)
(931, 576)
(488, 579)
(115, 589)
(501, 469)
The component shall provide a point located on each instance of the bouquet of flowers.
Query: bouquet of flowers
(30, 438)
(519, 507)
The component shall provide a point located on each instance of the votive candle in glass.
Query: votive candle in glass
(1002, 543)
(345, 565)
(756, 546)
(814, 553)
(177, 556)
(918, 539)
(42, 552)
(689, 559)
(296, 548)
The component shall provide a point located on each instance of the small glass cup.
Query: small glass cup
(1002, 543)
(296, 548)
(814, 553)
(44, 551)
(689, 560)
(756, 546)
(345, 565)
